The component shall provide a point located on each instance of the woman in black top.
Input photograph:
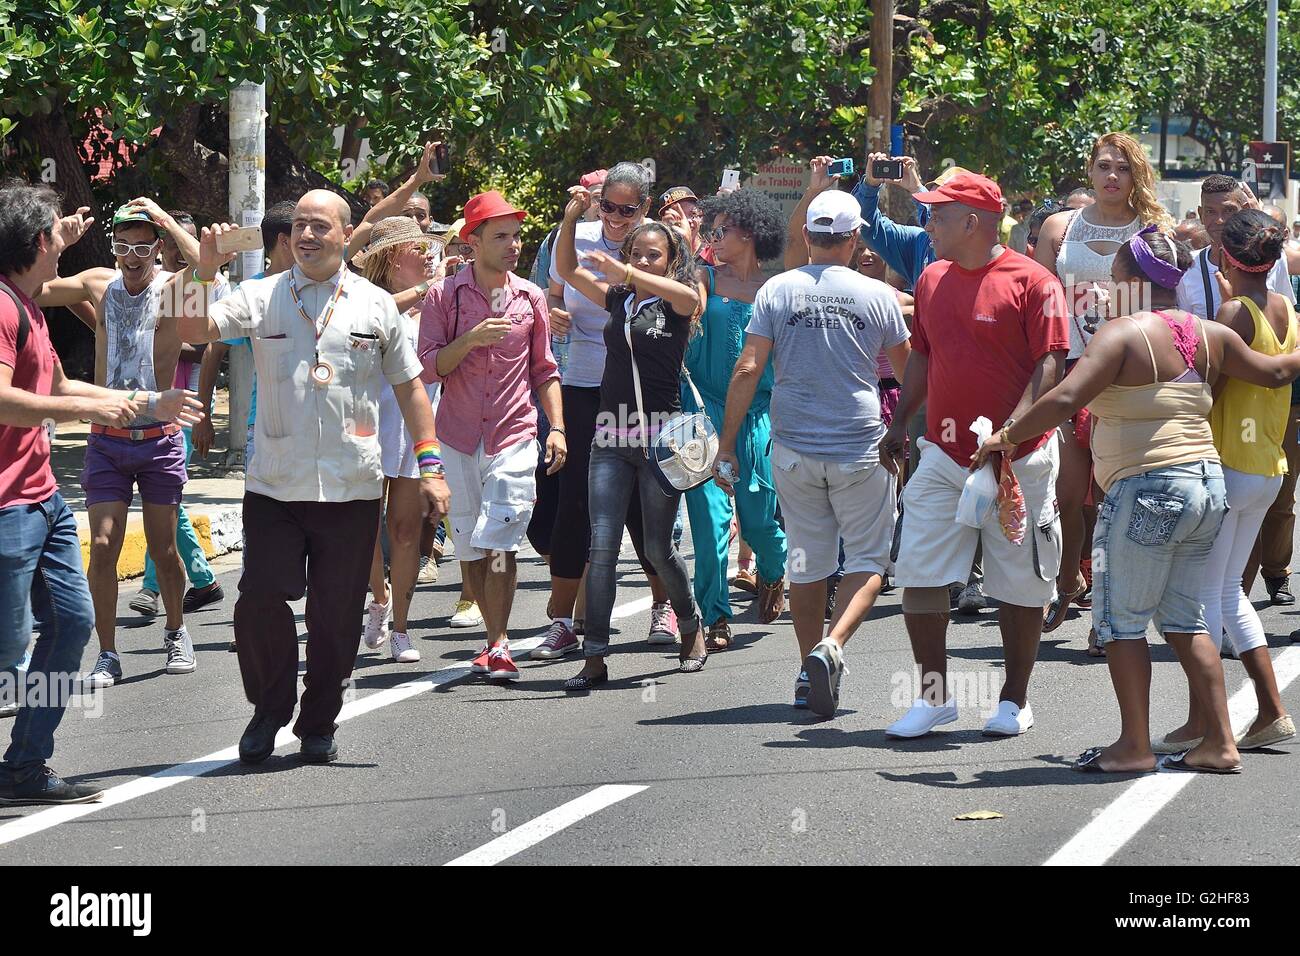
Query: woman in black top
(660, 293)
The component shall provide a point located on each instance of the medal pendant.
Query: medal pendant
(322, 373)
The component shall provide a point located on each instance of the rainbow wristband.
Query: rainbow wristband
(428, 454)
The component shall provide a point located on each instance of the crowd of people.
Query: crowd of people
(1077, 403)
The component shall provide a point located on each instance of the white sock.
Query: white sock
(566, 621)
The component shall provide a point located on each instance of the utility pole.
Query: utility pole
(247, 164)
(1270, 76)
(880, 100)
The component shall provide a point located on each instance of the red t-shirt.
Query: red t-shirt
(25, 474)
(983, 332)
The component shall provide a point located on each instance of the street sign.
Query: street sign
(1267, 169)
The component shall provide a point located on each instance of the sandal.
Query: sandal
(771, 600)
(1180, 763)
(745, 580)
(691, 665)
(1094, 649)
(1090, 762)
(1054, 616)
(719, 637)
(586, 681)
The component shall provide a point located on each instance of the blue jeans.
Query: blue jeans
(41, 580)
(1152, 541)
(616, 472)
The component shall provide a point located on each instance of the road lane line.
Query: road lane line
(189, 770)
(1118, 823)
(548, 824)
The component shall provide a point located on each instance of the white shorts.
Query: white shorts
(396, 447)
(936, 551)
(492, 498)
(823, 502)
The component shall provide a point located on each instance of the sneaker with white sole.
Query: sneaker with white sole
(466, 614)
(663, 624)
(376, 631)
(559, 640)
(106, 672)
(479, 665)
(972, 600)
(501, 665)
(145, 602)
(824, 666)
(402, 650)
(922, 718)
(180, 651)
(1010, 720)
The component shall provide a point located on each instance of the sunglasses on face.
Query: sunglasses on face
(718, 233)
(623, 209)
(143, 250)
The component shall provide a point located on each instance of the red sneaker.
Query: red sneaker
(500, 664)
(480, 663)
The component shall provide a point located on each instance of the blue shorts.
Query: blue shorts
(1153, 537)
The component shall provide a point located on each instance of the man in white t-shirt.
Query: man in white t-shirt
(1198, 293)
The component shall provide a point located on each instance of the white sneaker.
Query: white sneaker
(467, 615)
(1010, 720)
(402, 650)
(376, 631)
(922, 718)
(428, 571)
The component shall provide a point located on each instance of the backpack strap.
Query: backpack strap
(24, 320)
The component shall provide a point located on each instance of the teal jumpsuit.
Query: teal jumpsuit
(710, 358)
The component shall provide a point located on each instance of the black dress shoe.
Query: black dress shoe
(318, 748)
(196, 598)
(258, 741)
(47, 787)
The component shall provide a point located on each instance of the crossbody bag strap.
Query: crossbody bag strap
(1209, 286)
(636, 383)
(24, 321)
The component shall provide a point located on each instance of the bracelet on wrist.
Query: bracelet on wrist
(432, 470)
(195, 274)
(152, 407)
(559, 431)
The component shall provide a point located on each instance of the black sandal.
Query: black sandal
(1179, 762)
(585, 682)
(1055, 614)
(1090, 762)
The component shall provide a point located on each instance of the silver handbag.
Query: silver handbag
(681, 455)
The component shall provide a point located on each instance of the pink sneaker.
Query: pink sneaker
(480, 663)
(500, 664)
(663, 624)
(560, 640)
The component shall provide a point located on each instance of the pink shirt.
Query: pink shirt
(486, 398)
(25, 475)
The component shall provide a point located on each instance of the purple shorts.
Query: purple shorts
(115, 465)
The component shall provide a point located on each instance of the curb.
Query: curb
(219, 532)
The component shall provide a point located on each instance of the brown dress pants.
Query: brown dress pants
(292, 547)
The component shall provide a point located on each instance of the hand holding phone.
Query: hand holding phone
(243, 239)
(730, 180)
(440, 162)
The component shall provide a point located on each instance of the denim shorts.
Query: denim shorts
(1153, 537)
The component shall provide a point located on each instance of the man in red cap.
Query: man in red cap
(989, 335)
(485, 335)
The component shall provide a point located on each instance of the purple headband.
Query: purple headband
(1155, 268)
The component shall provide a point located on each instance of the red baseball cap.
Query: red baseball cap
(485, 206)
(969, 189)
(594, 178)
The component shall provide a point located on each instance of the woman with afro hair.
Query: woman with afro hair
(743, 228)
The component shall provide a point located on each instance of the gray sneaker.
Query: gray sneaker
(180, 651)
(145, 602)
(106, 672)
(972, 600)
(824, 667)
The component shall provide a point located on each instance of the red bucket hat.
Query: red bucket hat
(485, 206)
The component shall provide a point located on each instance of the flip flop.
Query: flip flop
(1180, 763)
(1054, 617)
(1090, 762)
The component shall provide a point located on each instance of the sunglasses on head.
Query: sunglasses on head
(623, 209)
(139, 248)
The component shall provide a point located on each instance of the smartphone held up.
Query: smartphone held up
(887, 169)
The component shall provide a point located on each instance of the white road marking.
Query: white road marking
(548, 824)
(1118, 823)
(191, 769)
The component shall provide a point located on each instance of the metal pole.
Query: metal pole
(1270, 76)
(247, 163)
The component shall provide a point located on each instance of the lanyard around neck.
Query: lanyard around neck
(318, 326)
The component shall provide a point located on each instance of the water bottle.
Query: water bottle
(560, 349)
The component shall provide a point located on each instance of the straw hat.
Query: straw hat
(393, 231)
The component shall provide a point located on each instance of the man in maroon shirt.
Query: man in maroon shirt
(485, 335)
(38, 531)
(989, 336)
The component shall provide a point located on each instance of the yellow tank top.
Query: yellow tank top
(1249, 421)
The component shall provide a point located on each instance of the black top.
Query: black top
(659, 336)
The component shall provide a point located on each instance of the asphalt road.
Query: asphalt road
(436, 765)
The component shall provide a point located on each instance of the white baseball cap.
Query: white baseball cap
(834, 211)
